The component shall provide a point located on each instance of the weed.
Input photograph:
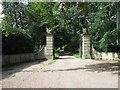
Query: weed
(53, 61)
(12, 75)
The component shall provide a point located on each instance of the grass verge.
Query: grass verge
(53, 61)
(76, 55)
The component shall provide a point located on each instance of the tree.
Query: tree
(65, 20)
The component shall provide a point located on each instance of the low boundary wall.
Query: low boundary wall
(19, 58)
(105, 55)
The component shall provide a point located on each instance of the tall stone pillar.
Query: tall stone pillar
(118, 25)
(118, 18)
(86, 46)
(49, 46)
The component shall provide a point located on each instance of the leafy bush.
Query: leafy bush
(16, 40)
(109, 41)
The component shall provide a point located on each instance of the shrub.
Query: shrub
(16, 41)
(109, 41)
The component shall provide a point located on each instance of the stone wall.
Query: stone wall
(105, 55)
(88, 52)
(46, 52)
(19, 58)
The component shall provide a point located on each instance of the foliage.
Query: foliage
(76, 55)
(14, 14)
(102, 27)
(18, 41)
(56, 55)
(21, 20)
(109, 39)
(39, 17)
(65, 20)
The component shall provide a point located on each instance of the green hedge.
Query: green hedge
(15, 40)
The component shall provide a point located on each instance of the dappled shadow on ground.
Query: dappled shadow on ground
(102, 67)
(12, 69)
(64, 58)
(99, 67)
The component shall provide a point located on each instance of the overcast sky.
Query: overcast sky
(1, 15)
(0, 7)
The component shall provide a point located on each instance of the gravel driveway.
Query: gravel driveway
(66, 72)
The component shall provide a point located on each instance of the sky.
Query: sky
(0, 7)
(1, 15)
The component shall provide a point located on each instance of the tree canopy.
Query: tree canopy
(66, 20)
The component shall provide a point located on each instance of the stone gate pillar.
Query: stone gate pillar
(49, 46)
(118, 25)
(118, 18)
(86, 46)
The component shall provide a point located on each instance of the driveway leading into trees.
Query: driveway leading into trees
(66, 72)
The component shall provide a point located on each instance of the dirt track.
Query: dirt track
(66, 72)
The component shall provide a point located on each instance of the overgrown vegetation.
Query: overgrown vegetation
(24, 25)
(56, 55)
